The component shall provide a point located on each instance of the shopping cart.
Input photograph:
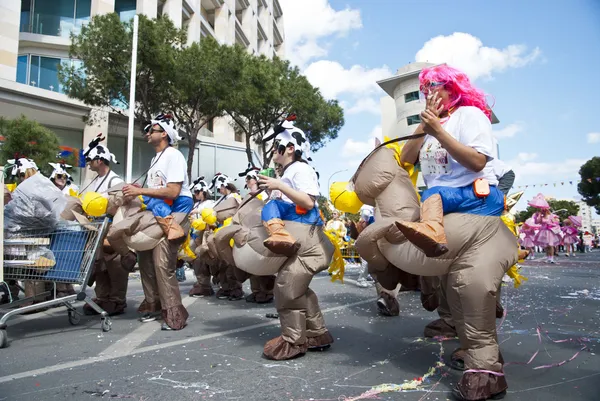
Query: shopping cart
(65, 255)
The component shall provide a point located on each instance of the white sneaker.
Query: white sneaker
(362, 283)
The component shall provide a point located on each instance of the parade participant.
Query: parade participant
(549, 232)
(202, 287)
(168, 181)
(230, 286)
(302, 323)
(261, 286)
(455, 157)
(62, 179)
(570, 232)
(111, 271)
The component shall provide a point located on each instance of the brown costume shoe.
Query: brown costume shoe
(280, 241)
(170, 227)
(428, 234)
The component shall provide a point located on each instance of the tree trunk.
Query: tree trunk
(249, 148)
(192, 139)
(267, 156)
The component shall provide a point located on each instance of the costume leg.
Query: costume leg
(235, 286)
(265, 286)
(429, 292)
(472, 284)
(151, 303)
(317, 334)
(119, 280)
(291, 287)
(428, 234)
(444, 326)
(280, 241)
(224, 291)
(202, 288)
(165, 263)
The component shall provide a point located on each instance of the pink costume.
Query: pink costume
(570, 230)
(549, 234)
(528, 230)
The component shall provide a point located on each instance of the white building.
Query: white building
(34, 40)
(400, 111)
(587, 216)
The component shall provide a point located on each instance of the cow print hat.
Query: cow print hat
(21, 165)
(61, 168)
(165, 121)
(286, 134)
(200, 185)
(96, 151)
(219, 181)
(250, 173)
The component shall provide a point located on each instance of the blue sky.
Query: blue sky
(538, 62)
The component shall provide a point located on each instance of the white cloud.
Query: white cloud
(366, 105)
(593, 137)
(334, 80)
(467, 53)
(526, 157)
(526, 170)
(509, 131)
(353, 148)
(309, 22)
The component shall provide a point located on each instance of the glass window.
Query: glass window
(49, 74)
(412, 120)
(126, 9)
(83, 10)
(411, 97)
(34, 71)
(25, 16)
(22, 69)
(54, 18)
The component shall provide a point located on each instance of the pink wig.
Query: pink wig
(462, 92)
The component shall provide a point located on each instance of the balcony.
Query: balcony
(242, 4)
(277, 11)
(240, 36)
(277, 37)
(212, 4)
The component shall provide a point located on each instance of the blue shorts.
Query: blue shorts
(463, 200)
(159, 208)
(278, 209)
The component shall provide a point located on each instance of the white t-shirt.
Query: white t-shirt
(200, 206)
(170, 167)
(301, 177)
(366, 212)
(500, 168)
(102, 184)
(471, 127)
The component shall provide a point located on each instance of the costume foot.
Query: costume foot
(320, 343)
(251, 298)
(278, 349)
(388, 305)
(170, 227)
(280, 241)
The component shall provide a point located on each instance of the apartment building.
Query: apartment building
(34, 41)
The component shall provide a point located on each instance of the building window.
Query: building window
(55, 18)
(210, 125)
(42, 72)
(411, 97)
(412, 120)
(22, 69)
(126, 9)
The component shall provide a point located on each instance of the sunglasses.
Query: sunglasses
(61, 176)
(425, 88)
(153, 130)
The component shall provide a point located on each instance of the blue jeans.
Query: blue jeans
(278, 209)
(463, 200)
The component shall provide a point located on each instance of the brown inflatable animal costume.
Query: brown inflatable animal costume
(480, 250)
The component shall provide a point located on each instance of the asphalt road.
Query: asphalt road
(549, 340)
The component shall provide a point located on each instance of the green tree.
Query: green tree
(589, 187)
(27, 138)
(268, 91)
(204, 77)
(562, 208)
(104, 48)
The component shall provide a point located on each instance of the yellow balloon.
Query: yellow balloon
(94, 204)
(344, 199)
(211, 220)
(199, 225)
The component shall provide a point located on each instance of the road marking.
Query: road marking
(131, 341)
(108, 357)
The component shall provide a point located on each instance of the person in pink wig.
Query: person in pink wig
(549, 233)
(456, 158)
(570, 231)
